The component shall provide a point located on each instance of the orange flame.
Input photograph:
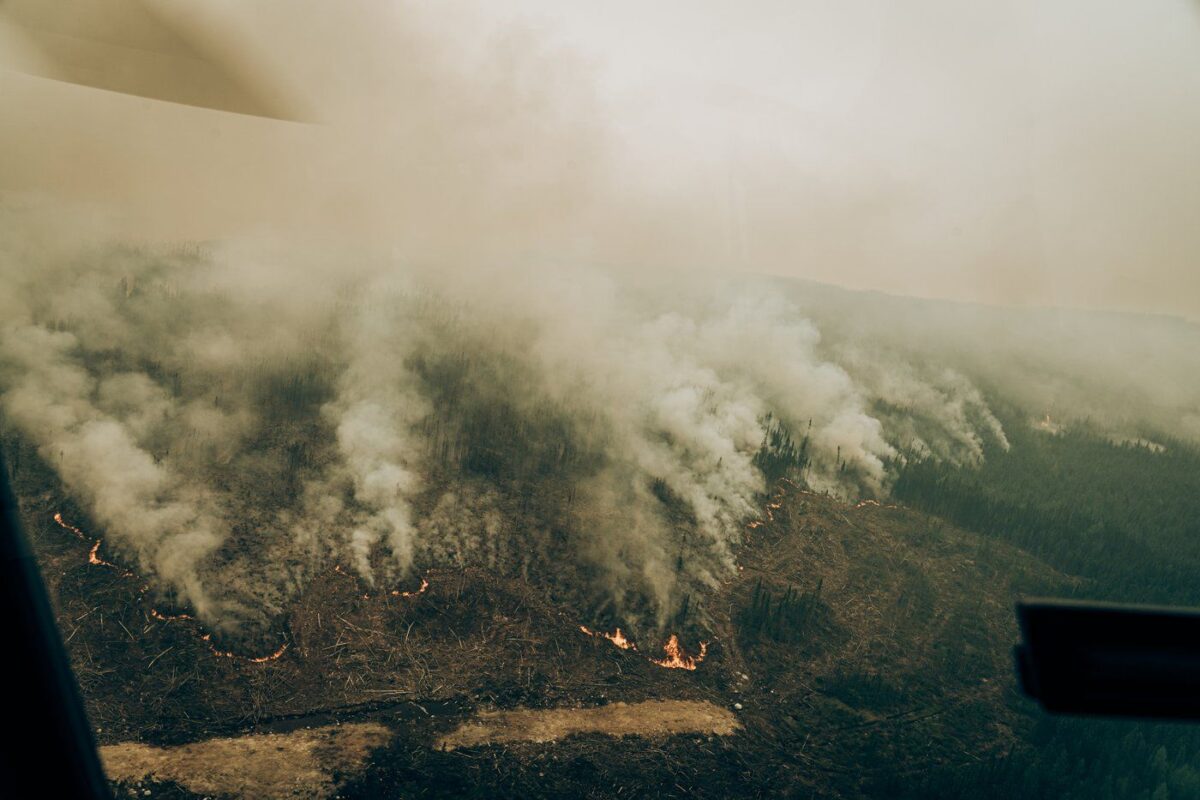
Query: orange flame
(394, 593)
(78, 533)
(771, 507)
(94, 558)
(424, 586)
(207, 637)
(676, 658)
(616, 637)
(270, 656)
(158, 615)
(94, 553)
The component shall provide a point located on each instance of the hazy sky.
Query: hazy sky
(1019, 152)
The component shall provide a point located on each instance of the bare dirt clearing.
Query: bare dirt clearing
(651, 718)
(274, 765)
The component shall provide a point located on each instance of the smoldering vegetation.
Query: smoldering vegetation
(428, 373)
(1136, 376)
(606, 437)
(231, 438)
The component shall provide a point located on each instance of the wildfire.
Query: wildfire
(676, 658)
(94, 553)
(94, 558)
(875, 503)
(770, 509)
(394, 593)
(424, 586)
(616, 637)
(78, 533)
(270, 656)
(207, 637)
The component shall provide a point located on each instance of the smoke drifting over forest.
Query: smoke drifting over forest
(232, 437)
(462, 385)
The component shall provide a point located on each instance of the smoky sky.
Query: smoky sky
(1023, 153)
(498, 297)
(1033, 153)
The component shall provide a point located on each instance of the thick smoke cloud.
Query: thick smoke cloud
(419, 364)
(1133, 375)
(574, 426)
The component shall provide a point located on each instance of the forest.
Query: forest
(1124, 517)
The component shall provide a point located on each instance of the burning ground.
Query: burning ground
(405, 504)
(824, 649)
(232, 441)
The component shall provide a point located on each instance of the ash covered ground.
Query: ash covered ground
(859, 645)
(597, 539)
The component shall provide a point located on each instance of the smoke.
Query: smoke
(374, 413)
(1134, 375)
(604, 434)
(458, 336)
(573, 426)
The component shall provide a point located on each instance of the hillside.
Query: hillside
(888, 658)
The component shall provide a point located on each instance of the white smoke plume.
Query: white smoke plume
(375, 413)
(412, 358)
(171, 523)
(576, 426)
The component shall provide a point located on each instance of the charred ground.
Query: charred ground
(865, 645)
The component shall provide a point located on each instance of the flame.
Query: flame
(424, 586)
(78, 533)
(270, 656)
(207, 637)
(394, 593)
(616, 637)
(94, 558)
(676, 658)
(158, 615)
(875, 503)
(776, 503)
(94, 553)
